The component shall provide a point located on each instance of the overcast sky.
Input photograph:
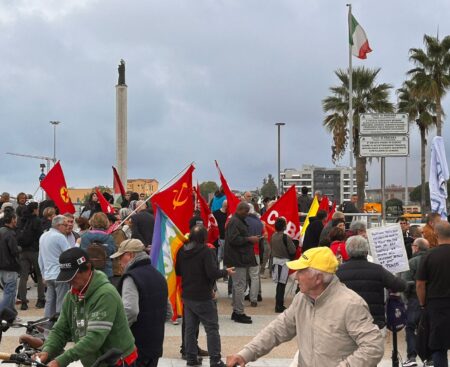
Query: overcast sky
(207, 79)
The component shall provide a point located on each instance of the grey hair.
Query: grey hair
(358, 226)
(57, 220)
(421, 243)
(124, 212)
(327, 277)
(338, 215)
(357, 246)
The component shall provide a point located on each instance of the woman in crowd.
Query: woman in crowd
(99, 225)
(47, 216)
(92, 206)
(282, 249)
(337, 238)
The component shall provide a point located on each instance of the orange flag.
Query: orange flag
(176, 201)
(54, 184)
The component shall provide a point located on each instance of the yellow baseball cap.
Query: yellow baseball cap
(320, 258)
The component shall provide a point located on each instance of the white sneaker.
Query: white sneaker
(411, 362)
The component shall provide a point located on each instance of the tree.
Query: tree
(208, 187)
(269, 188)
(421, 111)
(367, 97)
(416, 195)
(431, 75)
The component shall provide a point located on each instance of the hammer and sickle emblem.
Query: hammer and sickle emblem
(177, 199)
(64, 194)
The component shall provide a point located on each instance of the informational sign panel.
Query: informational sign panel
(383, 123)
(388, 248)
(384, 146)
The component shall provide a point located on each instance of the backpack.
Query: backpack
(291, 257)
(97, 254)
(395, 313)
(25, 234)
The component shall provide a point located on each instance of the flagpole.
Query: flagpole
(160, 189)
(350, 97)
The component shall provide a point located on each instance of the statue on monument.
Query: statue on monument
(121, 69)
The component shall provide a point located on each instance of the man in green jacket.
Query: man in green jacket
(92, 316)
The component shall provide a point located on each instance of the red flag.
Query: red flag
(106, 207)
(208, 219)
(232, 199)
(332, 211)
(117, 184)
(176, 201)
(54, 184)
(324, 204)
(285, 206)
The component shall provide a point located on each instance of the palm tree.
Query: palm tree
(421, 110)
(367, 97)
(432, 72)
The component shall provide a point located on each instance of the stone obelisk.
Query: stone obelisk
(121, 125)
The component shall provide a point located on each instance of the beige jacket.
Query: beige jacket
(337, 330)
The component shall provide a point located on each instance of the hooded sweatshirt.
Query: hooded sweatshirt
(197, 266)
(96, 323)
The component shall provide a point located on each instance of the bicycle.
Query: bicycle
(110, 358)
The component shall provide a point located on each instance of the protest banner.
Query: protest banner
(388, 248)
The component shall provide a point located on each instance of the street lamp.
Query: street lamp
(54, 123)
(279, 124)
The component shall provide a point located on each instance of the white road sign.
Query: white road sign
(384, 146)
(383, 123)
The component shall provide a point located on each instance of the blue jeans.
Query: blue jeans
(54, 297)
(412, 321)
(9, 282)
(440, 358)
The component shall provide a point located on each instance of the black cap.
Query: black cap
(70, 262)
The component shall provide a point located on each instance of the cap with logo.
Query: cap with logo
(320, 258)
(131, 245)
(70, 262)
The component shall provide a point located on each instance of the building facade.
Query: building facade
(146, 186)
(332, 182)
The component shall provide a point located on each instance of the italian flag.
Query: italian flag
(358, 40)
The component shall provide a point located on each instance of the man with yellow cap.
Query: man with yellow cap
(332, 324)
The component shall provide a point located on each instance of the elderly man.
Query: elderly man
(419, 248)
(358, 228)
(239, 254)
(51, 245)
(433, 292)
(332, 324)
(144, 296)
(368, 279)
(142, 224)
(92, 317)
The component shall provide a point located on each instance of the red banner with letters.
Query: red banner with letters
(54, 184)
(285, 206)
(177, 202)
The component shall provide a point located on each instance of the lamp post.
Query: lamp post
(279, 124)
(54, 123)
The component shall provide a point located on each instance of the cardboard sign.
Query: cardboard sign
(388, 248)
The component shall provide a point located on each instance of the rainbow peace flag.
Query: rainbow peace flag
(167, 240)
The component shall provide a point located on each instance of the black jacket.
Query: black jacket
(9, 251)
(238, 249)
(312, 235)
(369, 281)
(197, 266)
(142, 227)
(148, 330)
(34, 227)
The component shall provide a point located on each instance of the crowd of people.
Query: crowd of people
(99, 279)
